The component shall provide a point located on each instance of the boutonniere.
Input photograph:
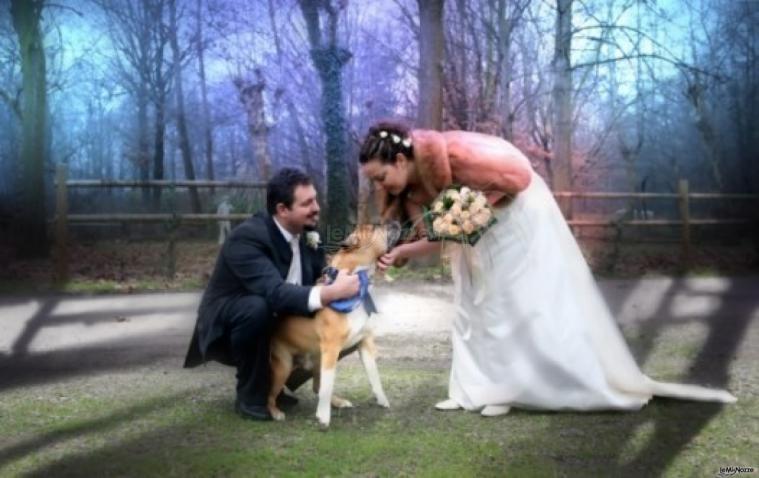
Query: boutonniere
(312, 239)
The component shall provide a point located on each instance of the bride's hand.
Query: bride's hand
(389, 258)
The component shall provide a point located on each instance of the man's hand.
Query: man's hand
(345, 286)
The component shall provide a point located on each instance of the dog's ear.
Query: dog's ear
(351, 242)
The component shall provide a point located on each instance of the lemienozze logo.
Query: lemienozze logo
(734, 470)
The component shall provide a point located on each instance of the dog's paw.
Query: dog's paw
(383, 402)
(338, 402)
(323, 422)
(277, 415)
(323, 413)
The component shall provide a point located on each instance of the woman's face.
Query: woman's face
(393, 178)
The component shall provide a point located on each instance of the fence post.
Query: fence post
(685, 216)
(171, 253)
(61, 225)
(171, 249)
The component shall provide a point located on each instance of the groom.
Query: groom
(265, 269)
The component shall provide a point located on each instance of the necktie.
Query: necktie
(294, 274)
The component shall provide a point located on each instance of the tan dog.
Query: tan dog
(319, 340)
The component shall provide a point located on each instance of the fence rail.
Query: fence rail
(655, 222)
(105, 183)
(629, 195)
(94, 218)
(63, 218)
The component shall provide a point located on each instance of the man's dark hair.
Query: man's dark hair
(281, 188)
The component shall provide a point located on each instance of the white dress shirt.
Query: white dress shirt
(295, 273)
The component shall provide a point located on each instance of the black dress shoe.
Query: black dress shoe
(284, 400)
(252, 412)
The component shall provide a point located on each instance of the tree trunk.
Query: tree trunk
(535, 127)
(707, 132)
(505, 28)
(329, 62)
(431, 53)
(431, 42)
(32, 226)
(184, 141)
(252, 98)
(207, 133)
(562, 103)
(159, 148)
(158, 96)
(460, 64)
(329, 59)
(143, 146)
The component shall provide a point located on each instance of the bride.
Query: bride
(531, 328)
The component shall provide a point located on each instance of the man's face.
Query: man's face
(304, 213)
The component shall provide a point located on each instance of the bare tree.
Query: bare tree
(479, 64)
(184, 140)
(329, 58)
(431, 42)
(561, 119)
(251, 95)
(741, 19)
(287, 96)
(137, 31)
(201, 52)
(159, 85)
(26, 15)
(508, 17)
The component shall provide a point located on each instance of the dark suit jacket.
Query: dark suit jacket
(254, 260)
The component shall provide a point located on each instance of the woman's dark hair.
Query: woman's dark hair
(281, 188)
(384, 141)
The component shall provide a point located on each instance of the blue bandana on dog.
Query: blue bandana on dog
(363, 297)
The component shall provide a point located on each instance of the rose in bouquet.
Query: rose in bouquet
(459, 214)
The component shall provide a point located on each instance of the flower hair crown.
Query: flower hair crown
(396, 139)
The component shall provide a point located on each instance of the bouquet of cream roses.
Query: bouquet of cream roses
(459, 214)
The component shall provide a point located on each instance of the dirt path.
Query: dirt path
(50, 334)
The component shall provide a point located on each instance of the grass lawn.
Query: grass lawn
(153, 418)
(160, 420)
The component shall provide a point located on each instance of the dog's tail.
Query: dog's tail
(690, 392)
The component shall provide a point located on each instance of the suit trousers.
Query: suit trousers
(249, 324)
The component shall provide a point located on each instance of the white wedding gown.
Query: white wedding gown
(532, 329)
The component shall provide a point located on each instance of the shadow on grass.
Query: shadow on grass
(210, 441)
(99, 425)
(676, 423)
(22, 367)
(711, 366)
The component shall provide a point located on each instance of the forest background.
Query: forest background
(602, 95)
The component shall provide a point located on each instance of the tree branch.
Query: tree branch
(64, 7)
(311, 16)
(410, 19)
(11, 102)
(677, 63)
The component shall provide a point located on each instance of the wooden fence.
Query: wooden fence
(63, 218)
